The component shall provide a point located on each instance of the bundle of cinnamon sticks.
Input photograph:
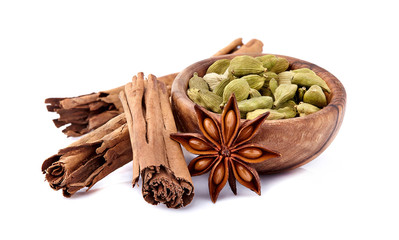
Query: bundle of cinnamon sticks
(131, 122)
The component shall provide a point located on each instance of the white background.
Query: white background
(68, 48)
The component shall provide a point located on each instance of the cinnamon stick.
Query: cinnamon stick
(231, 48)
(89, 159)
(85, 113)
(253, 46)
(157, 158)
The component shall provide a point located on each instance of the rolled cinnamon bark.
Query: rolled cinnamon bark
(157, 158)
(88, 112)
(231, 48)
(253, 46)
(85, 113)
(95, 155)
(91, 158)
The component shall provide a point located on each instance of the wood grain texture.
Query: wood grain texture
(299, 140)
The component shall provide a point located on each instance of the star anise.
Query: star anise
(224, 149)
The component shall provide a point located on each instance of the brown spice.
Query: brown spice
(160, 161)
(253, 46)
(157, 158)
(91, 158)
(224, 149)
(231, 48)
(88, 112)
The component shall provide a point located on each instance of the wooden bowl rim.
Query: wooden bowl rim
(338, 93)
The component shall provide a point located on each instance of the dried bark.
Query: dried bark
(158, 159)
(90, 159)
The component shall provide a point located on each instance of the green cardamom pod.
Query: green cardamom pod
(219, 89)
(269, 75)
(309, 79)
(195, 96)
(273, 85)
(229, 75)
(281, 65)
(220, 66)
(255, 81)
(197, 82)
(245, 65)
(288, 109)
(283, 93)
(239, 87)
(303, 70)
(273, 63)
(206, 99)
(268, 61)
(301, 91)
(305, 109)
(289, 103)
(252, 104)
(265, 91)
(285, 77)
(212, 101)
(254, 93)
(213, 79)
(274, 115)
(315, 96)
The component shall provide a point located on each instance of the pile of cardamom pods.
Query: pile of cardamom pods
(260, 84)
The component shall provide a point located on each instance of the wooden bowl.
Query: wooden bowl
(299, 140)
